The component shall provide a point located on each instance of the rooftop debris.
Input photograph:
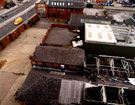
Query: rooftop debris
(46, 88)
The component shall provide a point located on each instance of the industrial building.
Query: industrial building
(64, 70)
(2, 4)
(84, 62)
(62, 9)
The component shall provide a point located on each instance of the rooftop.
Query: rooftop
(79, 20)
(60, 37)
(43, 87)
(60, 55)
(99, 33)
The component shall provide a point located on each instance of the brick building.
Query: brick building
(2, 4)
(62, 9)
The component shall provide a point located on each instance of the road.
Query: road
(9, 27)
(17, 10)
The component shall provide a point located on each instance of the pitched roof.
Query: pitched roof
(60, 55)
(43, 87)
(78, 4)
(78, 20)
(39, 88)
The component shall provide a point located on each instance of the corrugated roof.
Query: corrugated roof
(71, 92)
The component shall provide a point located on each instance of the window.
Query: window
(52, 3)
(63, 4)
(57, 3)
(68, 4)
(60, 3)
(71, 3)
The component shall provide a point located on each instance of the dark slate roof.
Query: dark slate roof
(39, 88)
(60, 55)
(78, 4)
(78, 20)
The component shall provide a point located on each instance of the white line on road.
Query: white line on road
(18, 15)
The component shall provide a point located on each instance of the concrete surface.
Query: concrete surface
(17, 65)
(93, 11)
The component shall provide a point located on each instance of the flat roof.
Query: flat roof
(60, 37)
(99, 33)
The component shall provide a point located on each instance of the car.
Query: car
(18, 21)
(3, 16)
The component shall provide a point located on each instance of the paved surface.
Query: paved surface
(18, 65)
(9, 27)
(17, 10)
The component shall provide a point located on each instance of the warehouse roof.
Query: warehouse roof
(78, 4)
(60, 36)
(51, 88)
(43, 87)
(99, 33)
(39, 88)
(60, 55)
(78, 20)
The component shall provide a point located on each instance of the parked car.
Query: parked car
(3, 15)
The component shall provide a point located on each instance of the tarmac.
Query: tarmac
(17, 63)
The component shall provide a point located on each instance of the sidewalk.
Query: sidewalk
(17, 65)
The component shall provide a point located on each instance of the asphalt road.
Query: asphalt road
(9, 27)
(17, 10)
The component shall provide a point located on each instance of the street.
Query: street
(17, 10)
(9, 27)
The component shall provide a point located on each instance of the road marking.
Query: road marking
(18, 15)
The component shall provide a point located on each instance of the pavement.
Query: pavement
(17, 65)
